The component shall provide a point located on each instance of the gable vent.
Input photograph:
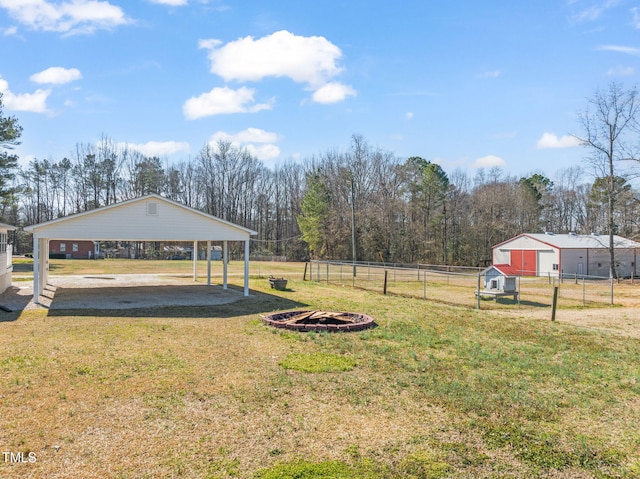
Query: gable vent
(152, 208)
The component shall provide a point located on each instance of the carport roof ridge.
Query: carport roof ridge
(73, 217)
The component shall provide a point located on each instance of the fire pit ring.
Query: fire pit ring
(319, 321)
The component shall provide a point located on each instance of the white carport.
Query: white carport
(149, 218)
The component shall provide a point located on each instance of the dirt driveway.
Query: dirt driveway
(121, 291)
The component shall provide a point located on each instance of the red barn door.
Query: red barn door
(525, 261)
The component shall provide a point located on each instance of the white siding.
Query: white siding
(546, 259)
(502, 254)
(572, 258)
(132, 221)
(599, 263)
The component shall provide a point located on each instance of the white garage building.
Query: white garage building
(149, 218)
(568, 254)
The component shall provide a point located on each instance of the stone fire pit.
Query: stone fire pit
(319, 321)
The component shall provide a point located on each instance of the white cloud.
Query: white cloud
(551, 140)
(408, 115)
(310, 60)
(266, 148)
(158, 148)
(488, 161)
(489, 74)
(9, 31)
(636, 17)
(171, 3)
(35, 102)
(264, 152)
(593, 11)
(620, 71)
(56, 76)
(332, 93)
(620, 49)
(222, 100)
(75, 16)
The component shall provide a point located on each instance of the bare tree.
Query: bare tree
(610, 125)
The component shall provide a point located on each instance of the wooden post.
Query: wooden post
(554, 303)
(478, 291)
(384, 288)
(424, 292)
(304, 275)
(611, 289)
(583, 292)
(327, 272)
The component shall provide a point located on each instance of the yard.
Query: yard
(434, 391)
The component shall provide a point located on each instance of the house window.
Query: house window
(3, 243)
(63, 247)
(556, 267)
(494, 284)
(75, 247)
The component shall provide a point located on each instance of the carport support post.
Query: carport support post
(36, 271)
(246, 267)
(195, 260)
(225, 260)
(208, 262)
(40, 257)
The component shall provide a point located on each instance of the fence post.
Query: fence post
(424, 293)
(384, 288)
(304, 276)
(327, 272)
(478, 291)
(611, 289)
(554, 303)
(583, 293)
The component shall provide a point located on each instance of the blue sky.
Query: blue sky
(462, 83)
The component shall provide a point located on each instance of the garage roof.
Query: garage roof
(148, 218)
(573, 241)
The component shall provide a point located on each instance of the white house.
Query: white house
(6, 264)
(541, 254)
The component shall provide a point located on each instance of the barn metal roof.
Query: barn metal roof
(592, 241)
(576, 241)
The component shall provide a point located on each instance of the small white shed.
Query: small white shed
(6, 263)
(149, 218)
(501, 278)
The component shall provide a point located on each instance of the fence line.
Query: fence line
(457, 285)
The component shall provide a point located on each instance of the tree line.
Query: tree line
(362, 200)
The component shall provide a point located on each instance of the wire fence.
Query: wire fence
(457, 285)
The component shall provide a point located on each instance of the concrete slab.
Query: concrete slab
(122, 291)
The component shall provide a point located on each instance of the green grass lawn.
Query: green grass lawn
(434, 391)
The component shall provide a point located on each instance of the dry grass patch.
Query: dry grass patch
(433, 391)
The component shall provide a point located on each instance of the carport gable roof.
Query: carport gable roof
(148, 218)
